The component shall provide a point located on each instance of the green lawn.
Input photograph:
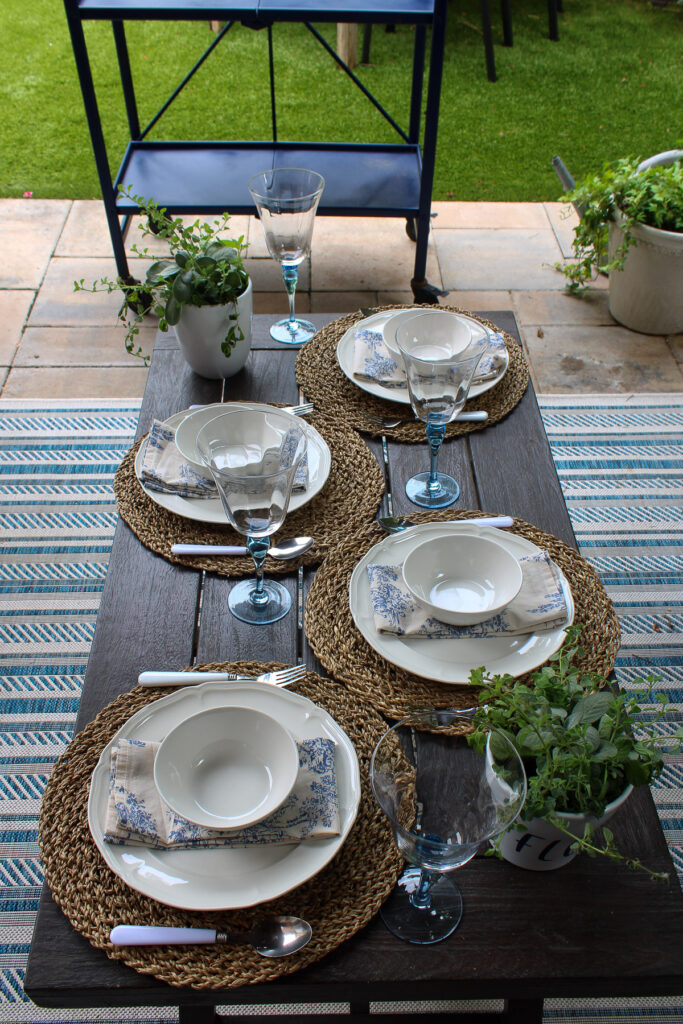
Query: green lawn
(612, 86)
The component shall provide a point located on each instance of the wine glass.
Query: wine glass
(443, 799)
(286, 199)
(253, 456)
(440, 361)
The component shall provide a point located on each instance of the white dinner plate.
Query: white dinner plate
(210, 510)
(400, 394)
(450, 660)
(223, 879)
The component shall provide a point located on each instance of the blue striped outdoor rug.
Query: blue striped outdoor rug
(620, 461)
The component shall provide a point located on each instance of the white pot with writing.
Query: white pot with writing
(538, 845)
(201, 331)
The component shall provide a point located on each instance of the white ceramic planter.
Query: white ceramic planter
(540, 846)
(647, 295)
(202, 329)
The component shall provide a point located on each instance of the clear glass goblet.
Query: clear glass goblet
(440, 360)
(443, 800)
(253, 456)
(286, 199)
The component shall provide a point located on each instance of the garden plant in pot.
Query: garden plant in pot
(631, 228)
(584, 747)
(202, 289)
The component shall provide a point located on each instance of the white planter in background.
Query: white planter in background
(202, 329)
(647, 295)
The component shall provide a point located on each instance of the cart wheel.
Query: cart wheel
(423, 291)
(411, 228)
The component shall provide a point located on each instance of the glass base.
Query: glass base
(242, 607)
(292, 332)
(423, 925)
(447, 493)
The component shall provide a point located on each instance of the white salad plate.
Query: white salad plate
(210, 510)
(450, 660)
(400, 394)
(223, 878)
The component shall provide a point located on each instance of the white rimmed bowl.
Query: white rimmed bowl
(462, 579)
(187, 430)
(226, 768)
(457, 328)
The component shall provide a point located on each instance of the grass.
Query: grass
(612, 86)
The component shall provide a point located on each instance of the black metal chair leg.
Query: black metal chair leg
(552, 20)
(488, 40)
(506, 16)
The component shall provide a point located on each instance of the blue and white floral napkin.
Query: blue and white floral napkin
(137, 815)
(539, 605)
(165, 470)
(372, 360)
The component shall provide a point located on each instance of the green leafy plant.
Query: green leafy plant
(203, 269)
(653, 197)
(582, 741)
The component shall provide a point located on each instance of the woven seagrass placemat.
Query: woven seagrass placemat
(336, 641)
(338, 902)
(350, 498)
(319, 375)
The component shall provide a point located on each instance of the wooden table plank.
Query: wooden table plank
(589, 929)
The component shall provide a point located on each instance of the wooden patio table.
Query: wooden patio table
(591, 929)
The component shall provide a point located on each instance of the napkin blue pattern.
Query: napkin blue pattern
(372, 360)
(540, 605)
(136, 814)
(166, 471)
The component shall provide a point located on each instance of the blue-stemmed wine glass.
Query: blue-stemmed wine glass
(443, 800)
(440, 362)
(286, 199)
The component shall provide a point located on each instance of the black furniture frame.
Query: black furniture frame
(210, 177)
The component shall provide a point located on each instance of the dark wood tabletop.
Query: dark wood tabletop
(592, 928)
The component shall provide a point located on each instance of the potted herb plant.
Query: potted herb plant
(583, 747)
(202, 289)
(631, 228)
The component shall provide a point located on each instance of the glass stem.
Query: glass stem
(421, 897)
(290, 276)
(258, 549)
(435, 435)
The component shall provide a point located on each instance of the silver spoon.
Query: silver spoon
(288, 548)
(273, 936)
(396, 524)
(476, 416)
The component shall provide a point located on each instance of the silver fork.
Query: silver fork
(300, 410)
(280, 677)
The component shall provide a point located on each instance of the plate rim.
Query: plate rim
(327, 848)
(187, 508)
(399, 395)
(440, 677)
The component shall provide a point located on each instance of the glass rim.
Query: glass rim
(237, 474)
(292, 199)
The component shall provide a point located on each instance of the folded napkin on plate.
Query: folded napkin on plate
(165, 470)
(539, 605)
(136, 814)
(372, 360)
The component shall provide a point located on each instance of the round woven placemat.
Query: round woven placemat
(319, 375)
(350, 498)
(333, 636)
(338, 902)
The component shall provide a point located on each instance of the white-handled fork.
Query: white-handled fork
(280, 677)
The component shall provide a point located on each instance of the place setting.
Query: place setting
(170, 495)
(224, 814)
(403, 617)
(356, 365)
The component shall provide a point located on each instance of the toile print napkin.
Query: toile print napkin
(540, 605)
(165, 470)
(372, 360)
(137, 816)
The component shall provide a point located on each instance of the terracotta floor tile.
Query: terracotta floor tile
(487, 215)
(474, 300)
(14, 307)
(266, 276)
(343, 302)
(563, 218)
(548, 307)
(58, 305)
(675, 343)
(365, 254)
(494, 260)
(81, 346)
(276, 303)
(89, 382)
(29, 232)
(601, 359)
